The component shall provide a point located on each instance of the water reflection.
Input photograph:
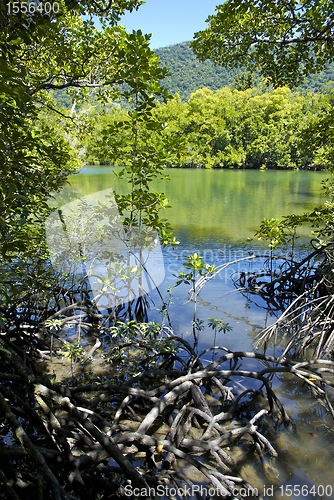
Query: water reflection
(86, 238)
(305, 454)
(212, 211)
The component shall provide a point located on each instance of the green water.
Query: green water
(225, 204)
(216, 213)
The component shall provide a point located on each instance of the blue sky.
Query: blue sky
(170, 21)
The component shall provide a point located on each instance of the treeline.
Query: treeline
(227, 128)
(187, 73)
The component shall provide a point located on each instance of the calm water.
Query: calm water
(220, 205)
(215, 213)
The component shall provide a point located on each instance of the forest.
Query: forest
(254, 128)
(224, 118)
(187, 73)
(97, 401)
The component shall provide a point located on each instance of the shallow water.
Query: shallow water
(215, 213)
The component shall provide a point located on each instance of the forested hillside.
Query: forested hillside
(188, 74)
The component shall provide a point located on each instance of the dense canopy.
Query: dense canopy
(283, 40)
(41, 53)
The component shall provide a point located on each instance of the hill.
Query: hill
(188, 74)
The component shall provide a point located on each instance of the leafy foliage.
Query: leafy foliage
(38, 54)
(187, 74)
(40, 141)
(249, 128)
(196, 268)
(136, 140)
(273, 231)
(284, 41)
(218, 325)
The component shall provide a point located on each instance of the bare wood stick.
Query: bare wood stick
(162, 404)
(37, 458)
(106, 442)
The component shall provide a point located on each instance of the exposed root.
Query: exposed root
(303, 293)
(141, 431)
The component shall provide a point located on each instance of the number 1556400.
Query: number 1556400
(32, 7)
(297, 490)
